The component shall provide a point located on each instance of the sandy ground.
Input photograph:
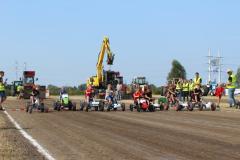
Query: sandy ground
(167, 135)
(12, 145)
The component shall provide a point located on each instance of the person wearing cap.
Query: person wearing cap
(197, 80)
(231, 86)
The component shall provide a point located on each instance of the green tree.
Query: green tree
(82, 87)
(177, 71)
(54, 90)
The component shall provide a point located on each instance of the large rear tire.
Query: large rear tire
(151, 108)
(82, 105)
(190, 107)
(139, 108)
(74, 106)
(131, 107)
(213, 107)
(166, 107)
(123, 107)
(30, 109)
(101, 106)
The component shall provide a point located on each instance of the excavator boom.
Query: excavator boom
(105, 48)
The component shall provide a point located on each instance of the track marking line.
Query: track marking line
(40, 149)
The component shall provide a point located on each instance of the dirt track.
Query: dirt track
(138, 136)
(12, 145)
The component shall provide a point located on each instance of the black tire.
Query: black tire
(166, 107)
(200, 106)
(82, 104)
(151, 108)
(74, 106)
(213, 107)
(178, 107)
(138, 108)
(46, 110)
(30, 109)
(96, 108)
(42, 107)
(101, 106)
(123, 107)
(190, 107)
(131, 107)
(87, 107)
(56, 105)
(59, 108)
(27, 108)
(108, 107)
(161, 108)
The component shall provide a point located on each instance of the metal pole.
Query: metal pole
(16, 68)
(219, 67)
(209, 65)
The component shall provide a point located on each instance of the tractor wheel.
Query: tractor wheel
(190, 107)
(27, 106)
(161, 107)
(87, 107)
(55, 106)
(101, 106)
(30, 109)
(42, 107)
(82, 104)
(59, 108)
(74, 106)
(131, 107)
(200, 106)
(166, 107)
(138, 108)
(177, 107)
(109, 107)
(123, 107)
(46, 110)
(213, 107)
(151, 108)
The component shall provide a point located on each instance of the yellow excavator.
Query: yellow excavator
(103, 78)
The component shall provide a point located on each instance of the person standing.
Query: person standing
(2, 90)
(197, 80)
(179, 89)
(191, 88)
(119, 91)
(231, 86)
(185, 90)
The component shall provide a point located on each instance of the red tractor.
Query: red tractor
(28, 80)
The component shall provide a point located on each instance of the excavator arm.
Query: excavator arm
(105, 48)
(110, 58)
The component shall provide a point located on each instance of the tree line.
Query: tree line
(177, 71)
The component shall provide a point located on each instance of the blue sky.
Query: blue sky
(60, 39)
